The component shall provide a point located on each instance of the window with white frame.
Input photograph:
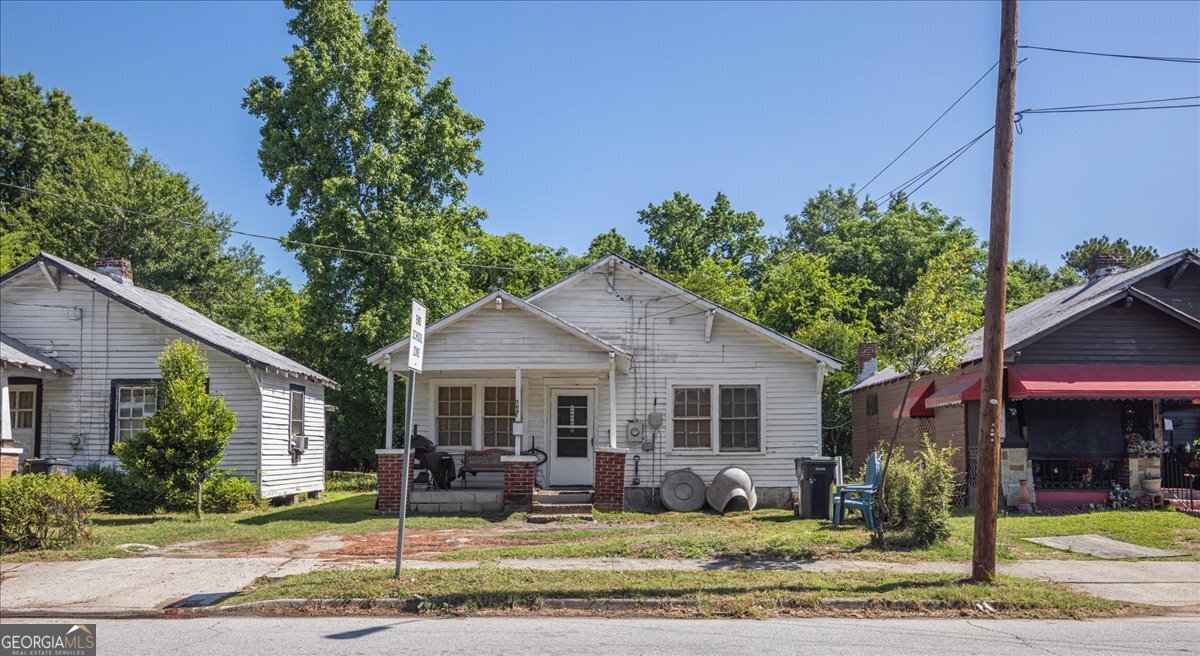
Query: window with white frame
(691, 419)
(499, 413)
(296, 412)
(132, 403)
(455, 413)
(740, 430)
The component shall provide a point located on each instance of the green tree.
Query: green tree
(615, 243)
(370, 154)
(722, 282)
(46, 145)
(517, 265)
(1081, 255)
(185, 438)
(682, 234)
(1029, 281)
(924, 335)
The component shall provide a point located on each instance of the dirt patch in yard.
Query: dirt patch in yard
(383, 543)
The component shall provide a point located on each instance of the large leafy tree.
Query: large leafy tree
(1081, 255)
(46, 145)
(1029, 281)
(184, 441)
(682, 234)
(516, 264)
(370, 155)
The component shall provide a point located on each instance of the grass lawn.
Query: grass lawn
(341, 513)
(777, 534)
(737, 593)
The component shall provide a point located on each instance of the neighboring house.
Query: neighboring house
(615, 358)
(1088, 370)
(79, 351)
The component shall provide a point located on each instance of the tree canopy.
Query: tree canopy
(1079, 257)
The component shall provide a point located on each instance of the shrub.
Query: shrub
(123, 493)
(930, 519)
(226, 493)
(900, 493)
(345, 481)
(46, 511)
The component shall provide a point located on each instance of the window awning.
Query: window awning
(1103, 381)
(914, 404)
(962, 388)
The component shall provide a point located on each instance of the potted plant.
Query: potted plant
(1152, 482)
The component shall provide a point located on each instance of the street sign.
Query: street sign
(416, 337)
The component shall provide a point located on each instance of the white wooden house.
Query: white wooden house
(615, 357)
(79, 351)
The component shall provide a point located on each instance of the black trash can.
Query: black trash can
(816, 477)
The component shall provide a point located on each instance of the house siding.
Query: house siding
(1183, 295)
(284, 473)
(665, 333)
(1115, 334)
(108, 341)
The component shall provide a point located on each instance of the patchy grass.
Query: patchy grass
(738, 593)
(772, 534)
(339, 513)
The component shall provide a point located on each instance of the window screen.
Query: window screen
(692, 417)
(133, 404)
(454, 413)
(296, 423)
(499, 413)
(739, 418)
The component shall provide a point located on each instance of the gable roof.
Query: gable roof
(15, 352)
(177, 316)
(1036, 319)
(611, 258)
(624, 358)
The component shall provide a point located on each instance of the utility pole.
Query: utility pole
(983, 561)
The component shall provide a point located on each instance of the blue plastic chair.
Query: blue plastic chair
(860, 496)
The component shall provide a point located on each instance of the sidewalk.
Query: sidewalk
(149, 584)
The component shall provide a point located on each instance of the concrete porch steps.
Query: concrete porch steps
(554, 505)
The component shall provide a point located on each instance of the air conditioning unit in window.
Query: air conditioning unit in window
(299, 444)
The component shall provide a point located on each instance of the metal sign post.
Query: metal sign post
(416, 358)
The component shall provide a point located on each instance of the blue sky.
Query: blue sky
(595, 110)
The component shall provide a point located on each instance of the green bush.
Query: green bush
(345, 481)
(46, 511)
(226, 493)
(900, 492)
(930, 519)
(123, 492)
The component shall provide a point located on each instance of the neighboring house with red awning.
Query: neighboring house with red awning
(1099, 379)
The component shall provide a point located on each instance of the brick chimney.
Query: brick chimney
(1105, 264)
(868, 360)
(117, 268)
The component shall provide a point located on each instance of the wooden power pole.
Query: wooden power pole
(983, 562)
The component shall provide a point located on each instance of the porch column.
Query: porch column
(391, 387)
(610, 479)
(612, 400)
(10, 453)
(520, 474)
(518, 428)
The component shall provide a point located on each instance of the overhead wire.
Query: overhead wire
(1177, 60)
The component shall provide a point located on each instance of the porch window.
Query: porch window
(21, 404)
(499, 413)
(454, 415)
(132, 403)
(692, 417)
(739, 418)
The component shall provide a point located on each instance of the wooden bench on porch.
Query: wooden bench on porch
(486, 460)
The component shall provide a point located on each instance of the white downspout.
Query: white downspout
(6, 437)
(391, 391)
(612, 400)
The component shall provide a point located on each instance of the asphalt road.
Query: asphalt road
(626, 637)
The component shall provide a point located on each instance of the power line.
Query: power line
(1116, 104)
(930, 173)
(1104, 109)
(284, 240)
(1177, 60)
(935, 122)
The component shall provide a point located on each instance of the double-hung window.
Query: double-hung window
(499, 413)
(735, 420)
(133, 402)
(455, 414)
(296, 414)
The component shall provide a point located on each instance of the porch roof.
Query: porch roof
(16, 353)
(915, 405)
(1103, 381)
(962, 388)
(624, 358)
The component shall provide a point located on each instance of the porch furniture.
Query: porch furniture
(860, 496)
(486, 460)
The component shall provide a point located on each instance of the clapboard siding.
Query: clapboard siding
(283, 472)
(1137, 334)
(508, 338)
(109, 341)
(1183, 295)
(665, 333)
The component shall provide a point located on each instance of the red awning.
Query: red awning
(914, 405)
(1103, 381)
(963, 388)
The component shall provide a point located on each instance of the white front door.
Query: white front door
(572, 421)
(22, 411)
